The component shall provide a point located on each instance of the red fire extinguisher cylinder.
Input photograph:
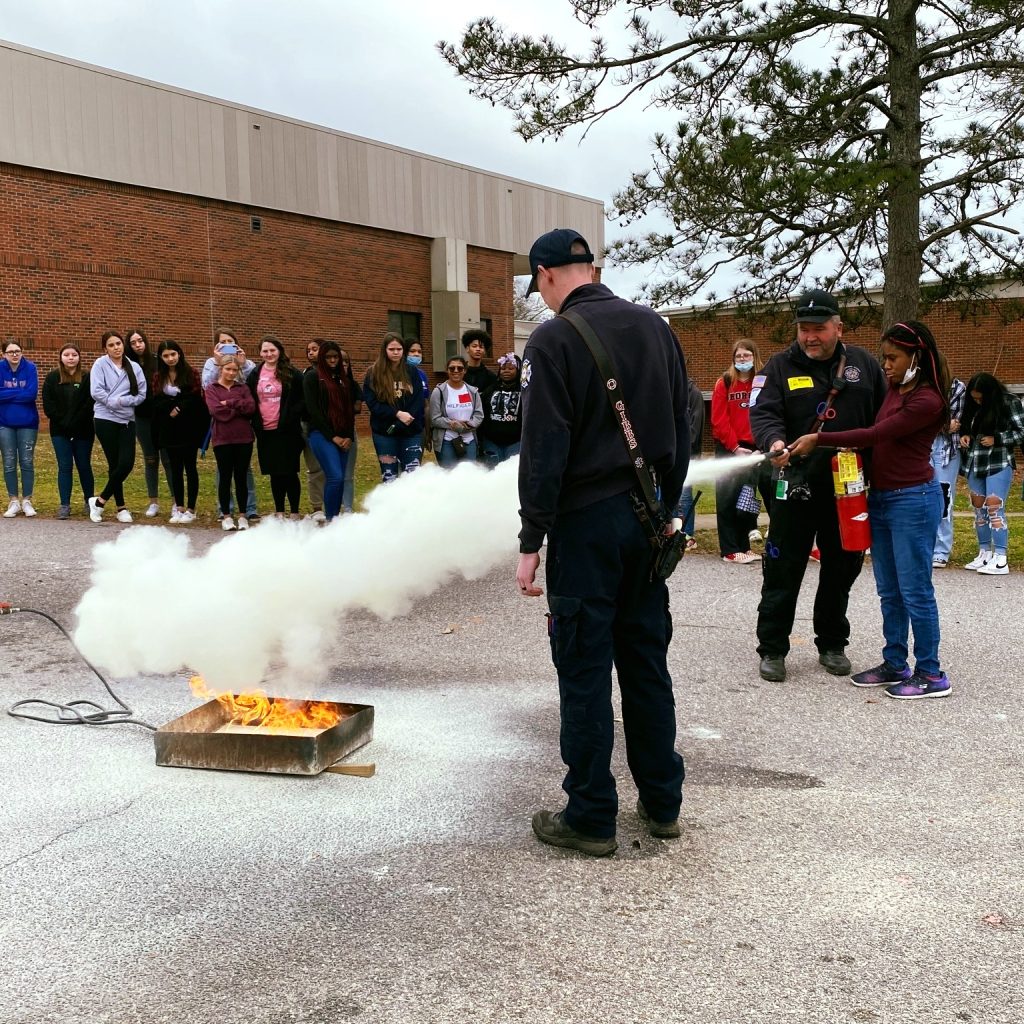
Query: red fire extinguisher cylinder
(851, 501)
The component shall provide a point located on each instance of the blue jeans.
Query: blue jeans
(903, 525)
(945, 477)
(990, 515)
(18, 446)
(348, 491)
(397, 455)
(687, 511)
(332, 461)
(495, 453)
(73, 452)
(447, 459)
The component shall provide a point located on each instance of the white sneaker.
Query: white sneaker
(124, 516)
(95, 510)
(318, 516)
(995, 567)
(26, 507)
(13, 509)
(175, 516)
(243, 523)
(227, 524)
(982, 559)
(187, 517)
(754, 537)
(152, 509)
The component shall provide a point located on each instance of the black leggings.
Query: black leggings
(285, 485)
(233, 462)
(118, 443)
(182, 465)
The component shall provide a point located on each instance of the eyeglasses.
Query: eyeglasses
(16, 351)
(456, 369)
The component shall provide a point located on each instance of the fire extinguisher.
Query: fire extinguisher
(851, 501)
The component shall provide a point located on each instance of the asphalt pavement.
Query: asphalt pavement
(845, 857)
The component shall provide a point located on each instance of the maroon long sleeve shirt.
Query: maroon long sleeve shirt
(901, 437)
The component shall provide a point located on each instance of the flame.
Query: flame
(254, 708)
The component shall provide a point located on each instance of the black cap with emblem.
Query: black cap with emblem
(816, 306)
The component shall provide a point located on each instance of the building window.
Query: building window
(405, 324)
(487, 324)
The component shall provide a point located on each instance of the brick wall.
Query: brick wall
(79, 256)
(989, 340)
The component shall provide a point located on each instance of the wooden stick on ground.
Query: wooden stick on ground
(364, 771)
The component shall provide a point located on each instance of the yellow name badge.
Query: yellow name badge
(796, 383)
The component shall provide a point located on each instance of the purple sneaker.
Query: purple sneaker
(920, 685)
(881, 675)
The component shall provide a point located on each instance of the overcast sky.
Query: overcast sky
(367, 68)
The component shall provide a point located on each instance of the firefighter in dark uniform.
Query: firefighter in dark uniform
(575, 484)
(787, 398)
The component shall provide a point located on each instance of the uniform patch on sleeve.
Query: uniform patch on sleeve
(758, 382)
(852, 374)
(753, 396)
(526, 374)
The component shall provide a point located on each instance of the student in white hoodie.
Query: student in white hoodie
(117, 386)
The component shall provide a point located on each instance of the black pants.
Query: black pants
(733, 525)
(118, 443)
(181, 467)
(605, 610)
(793, 529)
(233, 464)
(285, 485)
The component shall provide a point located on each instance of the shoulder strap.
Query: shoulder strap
(618, 406)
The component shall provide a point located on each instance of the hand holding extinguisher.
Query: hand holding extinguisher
(850, 491)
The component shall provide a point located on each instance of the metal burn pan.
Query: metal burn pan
(206, 738)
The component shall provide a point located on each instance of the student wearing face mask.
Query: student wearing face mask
(730, 425)
(905, 506)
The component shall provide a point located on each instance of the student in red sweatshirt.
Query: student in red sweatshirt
(730, 426)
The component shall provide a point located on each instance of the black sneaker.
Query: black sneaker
(835, 662)
(550, 827)
(658, 829)
(773, 668)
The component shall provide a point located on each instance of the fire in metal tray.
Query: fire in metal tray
(256, 733)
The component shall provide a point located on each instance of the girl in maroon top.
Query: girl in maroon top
(905, 506)
(231, 406)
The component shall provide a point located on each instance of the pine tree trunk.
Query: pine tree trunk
(903, 260)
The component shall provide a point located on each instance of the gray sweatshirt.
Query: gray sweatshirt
(111, 391)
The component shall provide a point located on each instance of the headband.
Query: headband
(509, 357)
(909, 330)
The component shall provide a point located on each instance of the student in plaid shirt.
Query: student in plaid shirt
(992, 426)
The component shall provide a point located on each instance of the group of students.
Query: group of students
(976, 441)
(133, 394)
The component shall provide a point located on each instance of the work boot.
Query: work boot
(550, 827)
(773, 668)
(658, 829)
(836, 663)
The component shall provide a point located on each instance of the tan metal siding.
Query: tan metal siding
(60, 115)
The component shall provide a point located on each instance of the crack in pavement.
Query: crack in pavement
(70, 831)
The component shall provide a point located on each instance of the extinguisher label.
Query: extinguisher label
(860, 518)
(849, 471)
(855, 487)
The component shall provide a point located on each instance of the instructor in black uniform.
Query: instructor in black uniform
(575, 483)
(816, 376)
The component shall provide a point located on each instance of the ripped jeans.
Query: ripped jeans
(988, 498)
(18, 446)
(397, 454)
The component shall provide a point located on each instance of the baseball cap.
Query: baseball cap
(816, 307)
(554, 249)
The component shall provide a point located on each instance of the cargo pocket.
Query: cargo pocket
(563, 626)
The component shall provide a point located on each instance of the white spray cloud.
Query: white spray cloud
(275, 593)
